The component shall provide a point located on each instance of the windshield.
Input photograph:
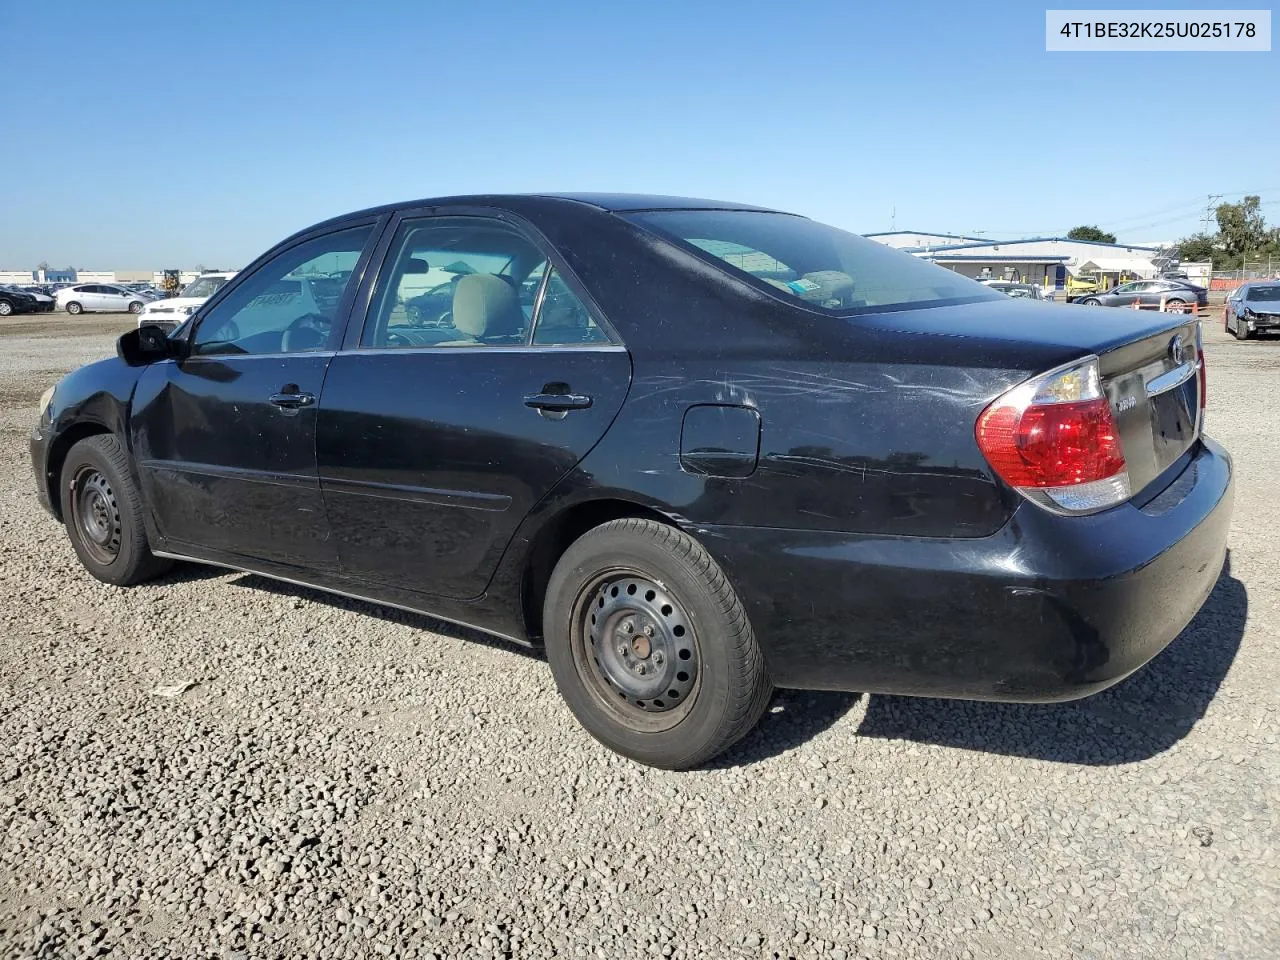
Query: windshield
(203, 287)
(812, 263)
(1269, 294)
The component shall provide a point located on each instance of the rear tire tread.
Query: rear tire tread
(750, 682)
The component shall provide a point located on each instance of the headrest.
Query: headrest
(416, 265)
(485, 305)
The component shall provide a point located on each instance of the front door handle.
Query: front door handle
(558, 402)
(292, 401)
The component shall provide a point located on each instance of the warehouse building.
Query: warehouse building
(1045, 261)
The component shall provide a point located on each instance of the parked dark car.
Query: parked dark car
(432, 308)
(1177, 295)
(1253, 308)
(13, 300)
(721, 449)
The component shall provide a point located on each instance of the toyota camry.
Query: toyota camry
(695, 450)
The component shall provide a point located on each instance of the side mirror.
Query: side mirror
(149, 343)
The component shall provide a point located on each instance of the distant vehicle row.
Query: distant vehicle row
(18, 300)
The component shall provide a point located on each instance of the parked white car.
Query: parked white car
(172, 311)
(103, 297)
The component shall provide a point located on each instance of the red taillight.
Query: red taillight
(1051, 445)
(1054, 439)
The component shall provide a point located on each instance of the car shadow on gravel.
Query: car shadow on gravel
(418, 621)
(794, 717)
(1136, 719)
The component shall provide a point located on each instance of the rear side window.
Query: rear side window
(811, 263)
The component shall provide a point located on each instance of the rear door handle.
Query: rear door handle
(292, 401)
(557, 402)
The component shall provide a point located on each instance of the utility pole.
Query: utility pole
(1208, 211)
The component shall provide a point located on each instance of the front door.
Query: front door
(441, 429)
(225, 438)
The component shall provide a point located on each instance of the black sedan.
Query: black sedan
(1253, 308)
(13, 300)
(1177, 296)
(715, 449)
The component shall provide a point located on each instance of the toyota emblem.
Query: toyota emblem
(1176, 350)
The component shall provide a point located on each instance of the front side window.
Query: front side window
(455, 282)
(811, 263)
(203, 287)
(288, 304)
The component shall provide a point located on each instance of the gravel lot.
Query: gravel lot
(344, 780)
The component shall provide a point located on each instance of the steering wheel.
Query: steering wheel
(316, 322)
(398, 340)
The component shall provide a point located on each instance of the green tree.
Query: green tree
(1090, 233)
(1242, 230)
(1197, 248)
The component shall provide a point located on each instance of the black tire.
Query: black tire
(661, 578)
(1242, 330)
(102, 511)
(1092, 302)
(74, 308)
(135, 307)
(6, 308)
(1175, 306)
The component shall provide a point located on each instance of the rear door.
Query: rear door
(438, 434)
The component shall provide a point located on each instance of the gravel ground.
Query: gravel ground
(342, 780)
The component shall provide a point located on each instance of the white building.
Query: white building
(1045, 261)
(912, 239)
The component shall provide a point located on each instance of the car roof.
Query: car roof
(606, 202)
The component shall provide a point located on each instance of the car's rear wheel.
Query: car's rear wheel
(74, 308)
(103, 513)
(1175, 306)
(135, 307)
(650, 646)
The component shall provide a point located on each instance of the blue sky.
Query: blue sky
(166, 134)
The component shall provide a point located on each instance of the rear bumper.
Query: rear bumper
(1049, 608)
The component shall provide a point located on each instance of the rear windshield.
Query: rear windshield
(1264, 293)
(812, 263)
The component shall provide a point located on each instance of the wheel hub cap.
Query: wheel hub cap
(641, 641)
(99, 516)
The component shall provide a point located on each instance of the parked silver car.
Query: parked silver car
(105, 297)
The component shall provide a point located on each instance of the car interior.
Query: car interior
(471, 285)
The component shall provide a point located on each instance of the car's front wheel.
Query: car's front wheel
(650, 645)
(6, 308)
(102, 509)
(1091, 302)
(74, 308)
(1242, 329)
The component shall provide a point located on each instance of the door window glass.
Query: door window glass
(289, 304)
(456, 282)
(563, 318)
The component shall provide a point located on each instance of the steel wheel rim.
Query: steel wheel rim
(636, 650)
(97, 515)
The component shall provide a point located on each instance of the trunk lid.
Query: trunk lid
(1154, 396)
(1153, 385)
